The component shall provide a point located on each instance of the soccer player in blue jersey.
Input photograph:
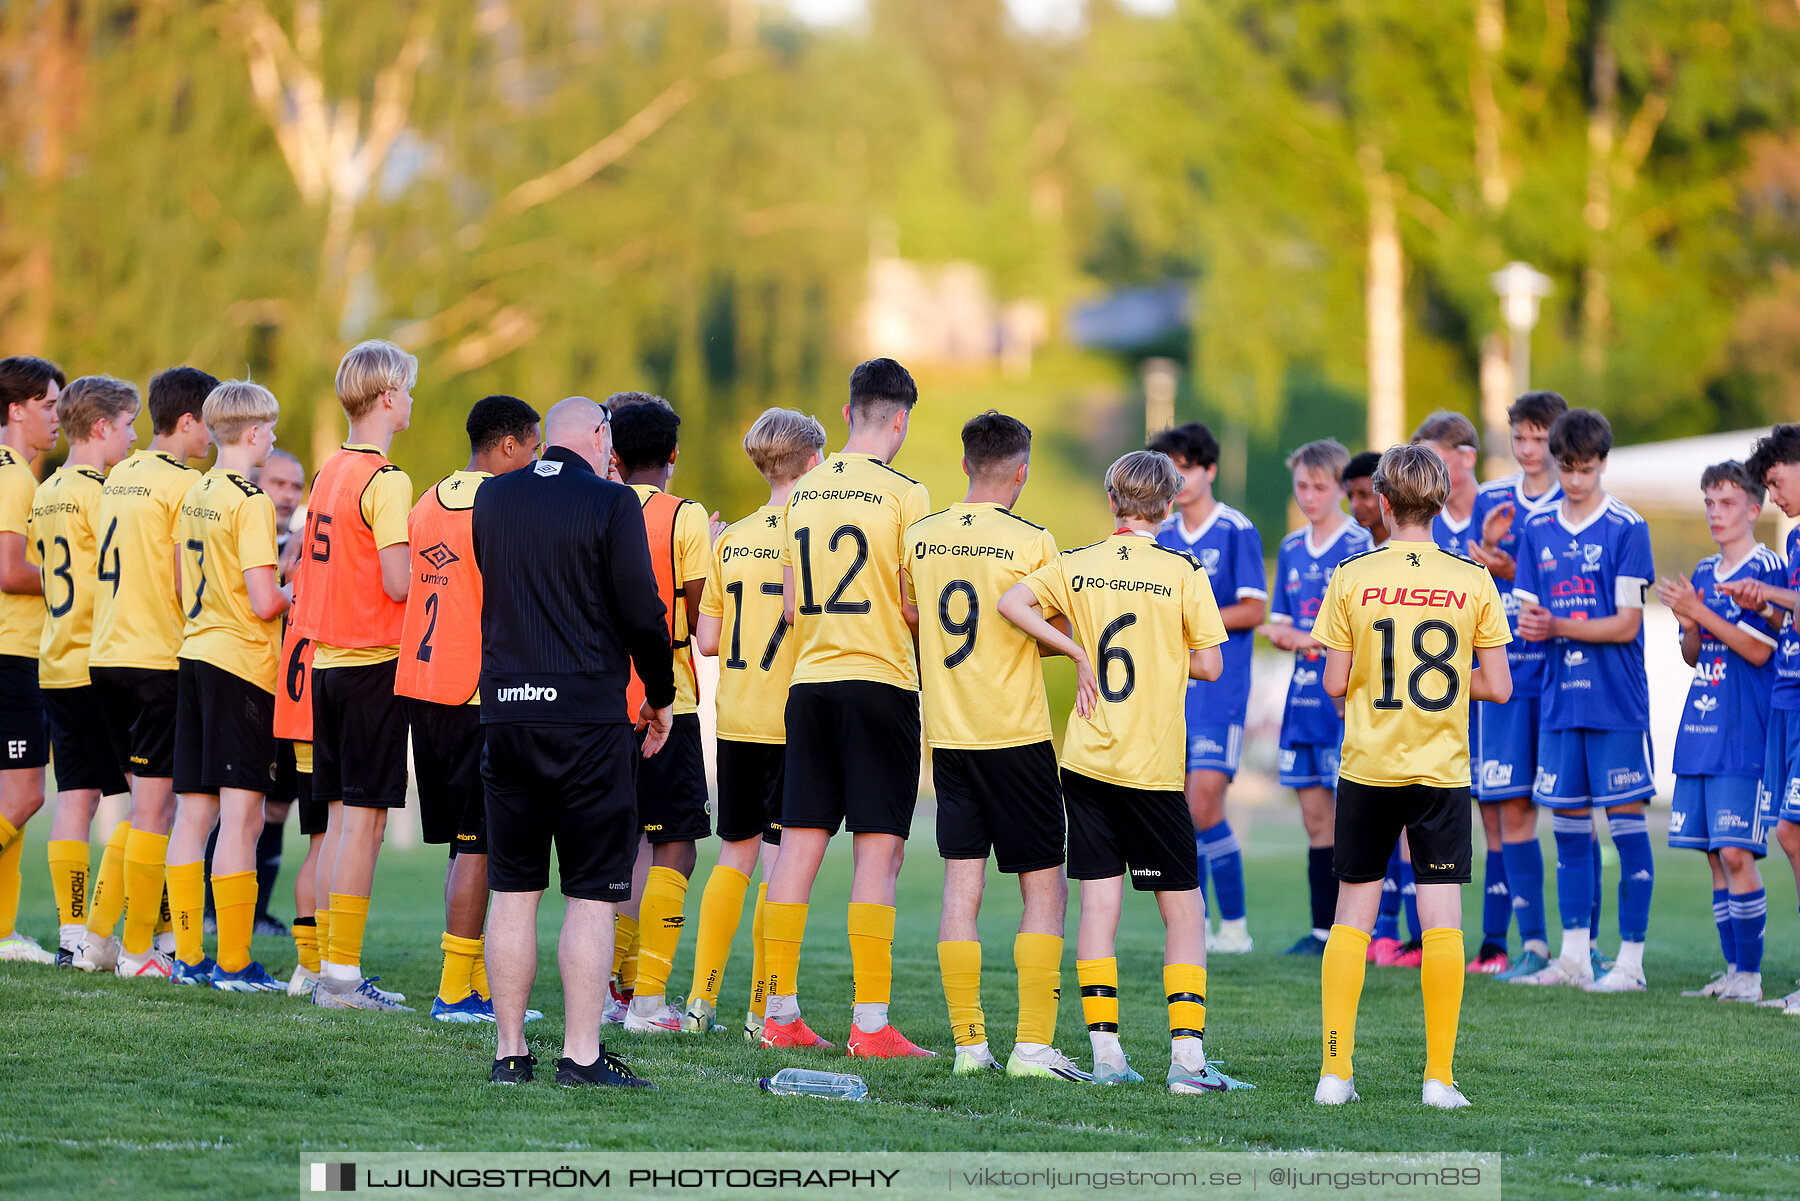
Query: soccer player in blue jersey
(1583, 571)
(1507, 735)
(1719, 748)
(1312, 728)
(1224, 542)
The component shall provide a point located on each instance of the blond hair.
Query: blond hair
(236, 405)
(88, 401)
(1415, 482)
(781, 441)
(1142, 484)
(371, 368)
(1327, 455)
(1447, 429)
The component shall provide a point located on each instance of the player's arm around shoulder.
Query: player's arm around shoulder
(1026, 604)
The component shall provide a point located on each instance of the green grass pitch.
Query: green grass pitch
(108, 1085)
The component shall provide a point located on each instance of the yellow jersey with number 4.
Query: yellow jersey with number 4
(227, 528)
(21, 614)
(61, 542)
(1409, 614)
(981, 678)
(137, 614)
(756, 648)
(1137, 608)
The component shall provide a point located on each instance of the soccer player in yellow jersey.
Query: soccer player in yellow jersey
(137, 634)
(225, 716)
(852, 709)
(96, 412)
(1144, 623)
(740, 618)
(28, 390)
(1398, 625)
(993, 764)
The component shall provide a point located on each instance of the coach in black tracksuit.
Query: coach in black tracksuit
(568, 597)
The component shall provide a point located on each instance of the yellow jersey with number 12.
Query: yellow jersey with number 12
(1409, 614)
(137, 615)
(756, 648)
(61, 543)
(227, 528)
(21, 615)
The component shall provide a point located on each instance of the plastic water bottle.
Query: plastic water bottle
(804, 1082)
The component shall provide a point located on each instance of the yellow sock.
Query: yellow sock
(187, 906)
(12, 846)
(1038, 958)
(1099, 980)
(234, 908)
(1441, 978)
(478, 972)
(721, 909)
(1340, 991)
(960, 964)
(306, 943)
(784, 926)
(349, 914)
(871, 953)
(144, 856)
(659, 929)
(69, 879)
(109, 884)
(457, 978)
(165, 920)
(759, 962)
(625, 951)
(1185, 986)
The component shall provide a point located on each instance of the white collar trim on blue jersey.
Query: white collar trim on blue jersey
(1316, 551)
(1723, 572)
(1600, 512)
(1211, 520)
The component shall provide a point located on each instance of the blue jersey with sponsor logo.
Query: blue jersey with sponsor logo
(1726, 715)
(1586, 572)
(1526, 659)
(1230, 550)
(1786, 692)
(1302, 569)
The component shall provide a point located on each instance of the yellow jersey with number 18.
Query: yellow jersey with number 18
(1137, 608)
(21, 614)
(61, 543)
(845, 532)
(137, 615)
(227, 528)
(756, 648)
(982, 679)
(1409, 614)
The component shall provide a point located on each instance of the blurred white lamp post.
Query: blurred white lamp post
(1521, 288)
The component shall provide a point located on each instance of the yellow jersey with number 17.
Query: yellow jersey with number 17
(756, 648)
(137, 615)
(21, 614)
(1409, 614)
(61, 543)
(982, 679)
(1137, 608)
(845, 532)
(227, 528)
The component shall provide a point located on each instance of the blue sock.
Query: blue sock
(1525, 880)
(1200, 865)
(1496, 904)
(1722, 919)
(1749, 912)
(1387, 918)
(1574, 869)
(1220, 847)
(1594, 913)
(1409, 897)
(1637, 875)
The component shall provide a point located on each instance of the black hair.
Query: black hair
(1192, 445)
(1779, 445)
(992, 439)
(644, 436)
(1580, 436)
(881, 384)
(24, 378)
(1537, 408)
(1362, 466)
(176, 393)
(494, 417)
(624, 400)
(1733, 472)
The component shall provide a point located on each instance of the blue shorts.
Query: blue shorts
(1214, 746)
(1581, 769)
(1781, 763)
(1310, 765)
(1719, 811)
(1506, 755)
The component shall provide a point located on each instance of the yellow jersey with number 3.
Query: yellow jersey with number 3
(21, 614)
(1409, 614)
(981, 678)
(227, 528)
(756, 648)
(137, 615)
(61, 543)
(845, 532)
(1137, 608)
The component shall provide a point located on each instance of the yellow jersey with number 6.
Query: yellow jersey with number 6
(756, 648)
(227, 528)
(137, 615)
(61, 543)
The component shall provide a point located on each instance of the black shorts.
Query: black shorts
(1003, 798)
(1369, 820)
(446, 742)
(852, 757)
(87, 757)
(750, 790)
(359, 736)
(295, 786)
(567, 785)
(671, 785)
(224, 731)
(140, 704)
(24, 734)
(1114, 829)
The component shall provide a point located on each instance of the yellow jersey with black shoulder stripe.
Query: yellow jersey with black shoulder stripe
(21, 613)
(137, 612)
(981, 678)
(1137, 608)
(61, 543)
(227, 528)
(846, 529)
(756, 648)
(1409, 614)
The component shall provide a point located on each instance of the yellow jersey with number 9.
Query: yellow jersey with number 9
(756, 648)
(21, 614)
(61, 543)
(137, 615)
(227, 528)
